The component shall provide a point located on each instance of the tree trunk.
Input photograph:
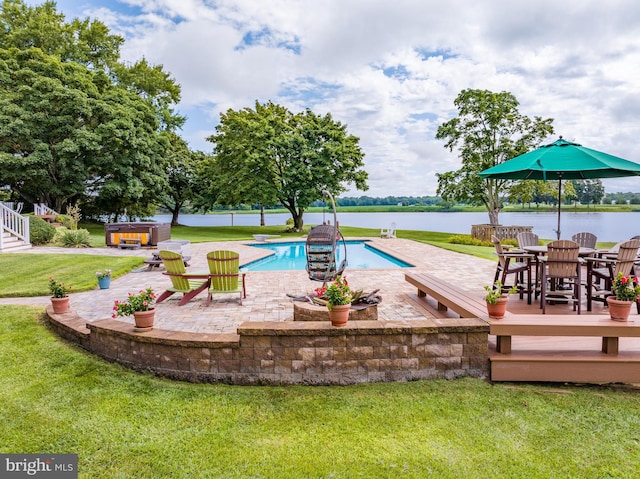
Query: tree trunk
(493, 216)
(174, 217)
(261, 214)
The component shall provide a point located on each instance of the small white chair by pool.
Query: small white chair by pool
(389, 232)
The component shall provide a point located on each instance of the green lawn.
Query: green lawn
(59, 399)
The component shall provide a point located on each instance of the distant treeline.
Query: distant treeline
(388, 201)
(619, 198)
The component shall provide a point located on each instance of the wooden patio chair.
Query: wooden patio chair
(561, 264)
(224, 272)
(585, 239)
(602, 271)
(181, 281)
(527, 238)
(515, 263)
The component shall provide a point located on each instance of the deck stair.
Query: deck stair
(569, 348)
(15, 230)
(586, 348)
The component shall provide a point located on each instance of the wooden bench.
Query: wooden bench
(129, 243)
(448, 296)
(596, 326)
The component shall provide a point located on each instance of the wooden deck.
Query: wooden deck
(560, 346)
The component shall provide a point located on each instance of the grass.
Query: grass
(28, 274)
(58, 399)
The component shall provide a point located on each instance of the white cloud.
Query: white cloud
(577, 62)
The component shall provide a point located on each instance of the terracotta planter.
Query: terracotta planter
(60, 305)
(339, 314)
(498, 310)
(144, 319)
(619, 310)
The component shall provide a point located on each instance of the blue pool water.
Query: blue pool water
(291, 256)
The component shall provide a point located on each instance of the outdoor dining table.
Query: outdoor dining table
(540, 250)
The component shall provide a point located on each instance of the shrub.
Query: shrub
(40, 232)
(66, 221)
(75, 238)
(467, 240)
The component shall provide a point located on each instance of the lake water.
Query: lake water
(606, 226)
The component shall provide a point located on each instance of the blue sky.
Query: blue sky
(391, 70)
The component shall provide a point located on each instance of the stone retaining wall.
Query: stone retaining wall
(293, 352)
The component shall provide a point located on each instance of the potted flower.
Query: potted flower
(59, 296)
(104, 278)
(338, 296)
(497, 298)
(626, 290)
(140, 306)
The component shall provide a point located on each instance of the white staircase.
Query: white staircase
(15, 230)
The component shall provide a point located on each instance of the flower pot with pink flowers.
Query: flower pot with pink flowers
(141, 306)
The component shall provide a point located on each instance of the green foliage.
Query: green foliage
(497, 291)
(57, 289)
(588, 191)
(626, 288)
(66, 221)
(338, 293)
(73, 212)
(184, 184)
(75, 238)
(269, 155)
(78, 125)
(468, 240)
(40, 232)
(56, 397)
(143, 301)
(488, 130)
(103, 274)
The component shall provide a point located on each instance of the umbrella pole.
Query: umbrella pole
(559, 200)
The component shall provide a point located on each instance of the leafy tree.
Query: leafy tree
(269, 155)
(588, 191)
(76, 125)
(183, 182)
(489, 130)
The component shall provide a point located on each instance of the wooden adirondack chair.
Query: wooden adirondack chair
(224, 269)
(181, 281)
(527, 238)
(585, 239)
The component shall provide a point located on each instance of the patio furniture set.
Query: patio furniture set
(558, 272)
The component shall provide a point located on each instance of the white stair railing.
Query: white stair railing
(15, 224)
(42, 209)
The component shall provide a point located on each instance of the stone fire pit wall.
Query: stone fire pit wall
(293, 352)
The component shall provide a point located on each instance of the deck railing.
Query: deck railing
(42, 209)
(484, 232)
(15, 224)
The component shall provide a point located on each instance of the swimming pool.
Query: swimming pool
(290, 256)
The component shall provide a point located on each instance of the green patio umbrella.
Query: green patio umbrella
(562, 160)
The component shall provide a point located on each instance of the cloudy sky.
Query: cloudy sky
(390, 70)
